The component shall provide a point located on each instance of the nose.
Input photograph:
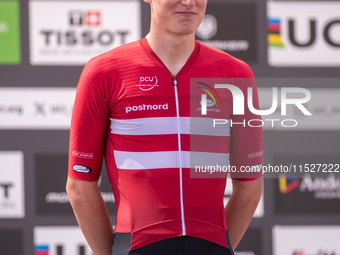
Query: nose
(188, 3)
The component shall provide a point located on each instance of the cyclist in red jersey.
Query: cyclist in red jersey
(133, 107)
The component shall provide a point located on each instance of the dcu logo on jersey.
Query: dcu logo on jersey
(147, 83)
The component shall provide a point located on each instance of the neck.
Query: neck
(173, 50)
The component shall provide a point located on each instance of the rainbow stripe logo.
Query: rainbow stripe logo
(210, 102)
(40, 249)
(274, 33)
(288, 182)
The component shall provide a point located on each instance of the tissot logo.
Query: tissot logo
(85, 37)
(89, 37)
(88, 18)
(147, 83)
(75, 31)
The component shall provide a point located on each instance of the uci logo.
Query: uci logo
(147, 83)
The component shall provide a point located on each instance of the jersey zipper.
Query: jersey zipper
(180, 156)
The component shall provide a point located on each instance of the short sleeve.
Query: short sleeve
(89, 123)
(246, 137)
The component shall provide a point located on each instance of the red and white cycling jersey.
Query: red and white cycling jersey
(132, 110)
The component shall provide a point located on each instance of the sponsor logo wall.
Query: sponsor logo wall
(10, 52)
(51, 176)
(60, 241)
(72, 32)
(51, 108)
(12, 199)
(69, 33)
(306, 240)
(303, 33)
(307, 195)
(218, 29)
(70, 240)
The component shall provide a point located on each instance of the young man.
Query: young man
(132, 106)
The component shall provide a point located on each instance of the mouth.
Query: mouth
(186, 13)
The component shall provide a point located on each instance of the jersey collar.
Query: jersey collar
(152, 55)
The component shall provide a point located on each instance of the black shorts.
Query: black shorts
(182, 245)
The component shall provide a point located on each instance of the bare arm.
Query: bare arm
(91, 213)
(241, 207)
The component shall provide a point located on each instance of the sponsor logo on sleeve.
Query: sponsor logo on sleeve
(82, 169)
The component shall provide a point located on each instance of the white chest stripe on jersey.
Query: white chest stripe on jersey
(168, 125)
(167, 159)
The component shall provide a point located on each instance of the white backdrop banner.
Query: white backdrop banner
(51, 108)
(64, 240)
(36, 108)
(303, 33)
(306, 240)
(12, 198)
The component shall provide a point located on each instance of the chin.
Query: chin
(185, 31)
